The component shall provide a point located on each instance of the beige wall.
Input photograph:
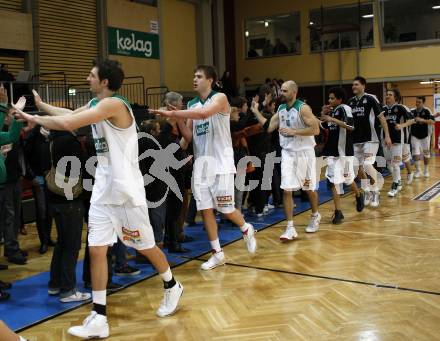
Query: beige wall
(178, 31)
(375, 63)
(16, 31)
(136, 17)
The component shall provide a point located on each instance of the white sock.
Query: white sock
(21, 338)
(396, 173)
(100, 297)
(167, 275)
(245, 227)
(215, 245)
(290, 223)
(315, 214)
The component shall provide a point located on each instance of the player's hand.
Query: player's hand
(287, 132)
(398, 127)
(388, 142)
(20, 103)
(37, 98)
(418, 119)
(326, 109)
(326, 118)
(163, 113)
(3, 94)
(21, 116)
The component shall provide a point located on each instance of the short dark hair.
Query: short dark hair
(112, 71)
(339, 93)
(396, 93)
(422, 98)
(238, 102)
(361, 80)
(209, 71)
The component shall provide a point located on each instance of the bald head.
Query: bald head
(289, 89)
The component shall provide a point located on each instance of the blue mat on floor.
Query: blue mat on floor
(30, 304)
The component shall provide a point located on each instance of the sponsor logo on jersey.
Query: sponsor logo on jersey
(202, 128)
(224, 201)
(101, 145)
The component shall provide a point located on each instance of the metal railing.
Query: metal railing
(53, 89)
(155, 96)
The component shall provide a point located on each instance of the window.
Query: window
(405, 21)
(339, 27)
(273, 36)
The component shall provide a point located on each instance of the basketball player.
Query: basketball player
(399, 118)
(366, 109)
(118, 204)
(213, 172)
(420, 138)
(339, 150)
(297, 126)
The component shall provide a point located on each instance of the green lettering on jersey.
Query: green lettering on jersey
(101, 145)
(202, 128)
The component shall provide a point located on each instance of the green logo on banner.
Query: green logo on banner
(133, 43)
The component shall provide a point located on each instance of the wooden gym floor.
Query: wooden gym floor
(375, 277)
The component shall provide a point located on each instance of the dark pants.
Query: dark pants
(69, 223)
(192, 211)
(87, 277)
(173, 208)
(119, 249)
(43, 217)
(277, 192)
(257, 196)
(158, 220)
(10, 216)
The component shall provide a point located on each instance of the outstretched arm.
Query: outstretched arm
(106, 109)
(274, 122)
(219, 104)
(52, 110)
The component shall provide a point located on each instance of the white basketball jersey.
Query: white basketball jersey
(291, 118)
(118, 178)
(212, 142)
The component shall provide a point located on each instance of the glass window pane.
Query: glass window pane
(273, 36)
(410, 21)
(336, 28)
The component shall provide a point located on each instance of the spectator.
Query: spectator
(37, 156)
(12, 206)
(243, 87)
(68, 213)
(11, 136)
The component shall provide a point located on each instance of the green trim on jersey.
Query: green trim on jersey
(197, 99)
(94, 102)
(297, 105)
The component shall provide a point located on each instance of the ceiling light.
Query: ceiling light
(246, 33)
(311, 23)
(436, 7)
(366, 16)
(266, 24)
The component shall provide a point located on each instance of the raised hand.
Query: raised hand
(37, 98)
(20, 103)
(3, 94)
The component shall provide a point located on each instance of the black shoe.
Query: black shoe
(18, 259)
(127, 270)
(43, 249)
(360, 202)
(51, 243)
(5, 285)
(112, 287)
(19, 251)
(24, 253)
(177, 248)
(4, 296)
(3, 267)
(337, 217)
(186, 239)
